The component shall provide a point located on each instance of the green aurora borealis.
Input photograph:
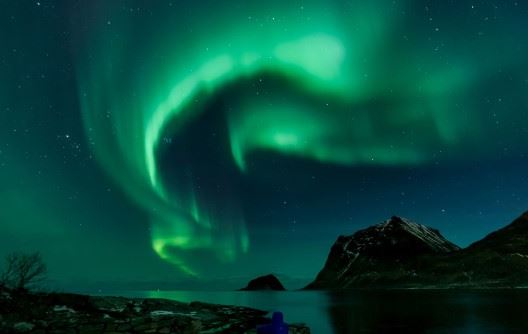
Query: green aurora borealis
(354, 85)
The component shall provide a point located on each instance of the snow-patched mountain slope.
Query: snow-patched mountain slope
(394, 238)
(399, 253)
(375, 248)
(400, 235)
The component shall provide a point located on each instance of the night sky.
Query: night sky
(168, 141)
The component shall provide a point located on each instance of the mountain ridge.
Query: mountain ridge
(401, 253)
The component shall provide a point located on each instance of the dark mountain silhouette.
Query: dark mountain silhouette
(400, 253)
(267, 282)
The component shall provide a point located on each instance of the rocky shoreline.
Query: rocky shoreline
(73, 313)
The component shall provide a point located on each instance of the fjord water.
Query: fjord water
(380, 311)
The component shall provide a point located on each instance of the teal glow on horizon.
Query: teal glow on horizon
(351, 90)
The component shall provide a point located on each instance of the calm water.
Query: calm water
(408, 311)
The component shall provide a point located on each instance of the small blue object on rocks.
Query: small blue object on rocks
(277, 325)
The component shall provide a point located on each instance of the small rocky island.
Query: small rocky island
(71, 313)
(399, 253)
(267, 282)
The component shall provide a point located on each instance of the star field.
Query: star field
(200, 145)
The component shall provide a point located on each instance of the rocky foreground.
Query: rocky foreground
(71, 313)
